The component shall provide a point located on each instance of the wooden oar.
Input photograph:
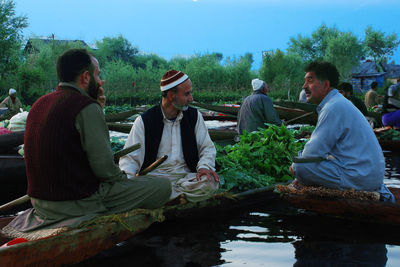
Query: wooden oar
(299, 117)
(23, 199)
(125, 151)
(14, 203)
(152, 166)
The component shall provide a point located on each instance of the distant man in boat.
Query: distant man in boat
(11, 102)
(343, 152)
(70, 168)
(372, 99)
(391, 106)
(174, 129)
(302, 96)
(257, 109)
(346, 89)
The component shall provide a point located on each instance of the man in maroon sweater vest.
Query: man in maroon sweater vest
(71, 172)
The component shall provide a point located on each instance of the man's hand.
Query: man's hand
(101, 98)
(210, 174)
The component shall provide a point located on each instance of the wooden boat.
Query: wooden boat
(12, 177)
(122, 116)
(219, 117)
(215, 135)
(11, 140)
(366, 211)
(376, 116)
(392, 145)
(286, 113)
(295, 105)
(385, 136)
(78, 244)
(290, 114)
(228, 110)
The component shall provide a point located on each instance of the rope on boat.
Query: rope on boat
(123, 218)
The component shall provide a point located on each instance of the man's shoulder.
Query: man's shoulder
(151, 110)
(337, 102)
(257, 97)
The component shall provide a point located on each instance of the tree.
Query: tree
(378, 45)
(237, 73)
(11, 27)
(345, 52)
(282, 71)
(115, 48)
(313, 48)
(140, 61)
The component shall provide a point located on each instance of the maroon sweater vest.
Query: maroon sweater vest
(56, 165)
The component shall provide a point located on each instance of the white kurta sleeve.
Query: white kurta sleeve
(205, 146)
(132, 162)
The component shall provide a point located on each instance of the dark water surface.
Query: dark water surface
(262, 236)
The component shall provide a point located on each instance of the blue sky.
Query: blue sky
(186, 27)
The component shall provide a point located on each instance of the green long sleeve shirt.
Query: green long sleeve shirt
(95, 140)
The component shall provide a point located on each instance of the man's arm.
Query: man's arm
(19, 104)
(270, 112)
(207, 151)
(4, 103)
(328, 131)
(326, 134)
(95, 140)
(132, 162)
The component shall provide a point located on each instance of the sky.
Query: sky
(186, 27)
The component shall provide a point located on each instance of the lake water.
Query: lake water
(262, 236)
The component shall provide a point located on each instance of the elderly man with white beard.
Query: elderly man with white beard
(174, 129)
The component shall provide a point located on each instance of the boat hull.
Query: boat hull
(349, 209)
(77, 245)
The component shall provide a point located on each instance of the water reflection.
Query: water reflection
(339, 254)
(263, 236)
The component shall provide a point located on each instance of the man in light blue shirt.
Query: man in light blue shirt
(342, 137)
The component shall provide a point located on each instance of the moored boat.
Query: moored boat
(343, 207)
(12, 177)
(285, 113)
(75, 245)
(392, 145)
(122, 116)
(11, 140)
(215, 135)
(307, 107)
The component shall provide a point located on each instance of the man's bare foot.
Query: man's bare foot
(181, 199)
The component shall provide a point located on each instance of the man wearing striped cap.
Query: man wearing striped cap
(174, 129)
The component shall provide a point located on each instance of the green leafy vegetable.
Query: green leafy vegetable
(117, 144)
(260, 158)
(391, 134)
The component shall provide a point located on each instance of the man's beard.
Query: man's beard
(179, 107)
(93, 88)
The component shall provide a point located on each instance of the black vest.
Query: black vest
(153, 129)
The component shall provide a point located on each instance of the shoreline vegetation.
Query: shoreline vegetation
(132, 76)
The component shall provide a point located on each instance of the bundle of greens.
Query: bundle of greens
(117, 109)
(261, 158)
(391, 134)
(304, 132)
(117, 143)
